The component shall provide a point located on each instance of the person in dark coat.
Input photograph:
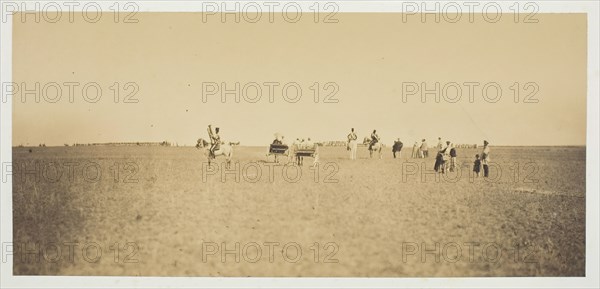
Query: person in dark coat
(453, 155)
(477, 166)
(440, 159)
(397, 148)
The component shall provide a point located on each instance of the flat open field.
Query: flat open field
(159, 211)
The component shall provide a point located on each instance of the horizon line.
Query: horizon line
(158, 144)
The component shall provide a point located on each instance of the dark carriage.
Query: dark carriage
(278, 150)
(302, 151)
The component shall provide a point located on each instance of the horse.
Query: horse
(225, 150)
(377, 147)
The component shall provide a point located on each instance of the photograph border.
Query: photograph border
(591, 8)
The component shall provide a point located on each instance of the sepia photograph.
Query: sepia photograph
(403, 140)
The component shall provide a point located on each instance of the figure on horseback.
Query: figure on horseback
(375, 145)
(217, 148)
(215, 140)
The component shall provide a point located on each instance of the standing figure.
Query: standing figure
(397, 148)
(292, 152)
(439, 161)
(415, 151)
(424, 149)
(446, 156)
(485, 158)
(352, 144)
(452, 158)
(477, 166)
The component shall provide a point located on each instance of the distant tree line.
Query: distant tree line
(163, 143)
(205, 143)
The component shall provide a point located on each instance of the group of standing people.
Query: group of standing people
(420, 151)
(300, 143)
(445, 153)
(448, 153)
(445, 159)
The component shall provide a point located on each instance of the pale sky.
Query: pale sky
(368, 55)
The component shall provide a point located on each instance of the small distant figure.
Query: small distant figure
(477, 166)
(446, 156)
(352, 144)
(485, 158)
(440, 145)
(278, 139)
(302, 145)
(397, 148)
(424, 151)
(452, 158)
(415, 151)
(295, 146)
(441, 158)
(309, 143)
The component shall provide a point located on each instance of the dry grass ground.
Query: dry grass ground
(373, 219)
